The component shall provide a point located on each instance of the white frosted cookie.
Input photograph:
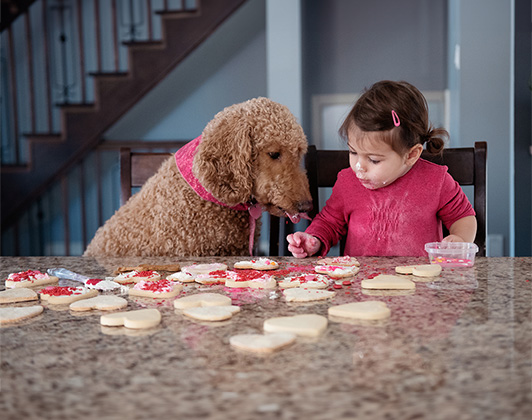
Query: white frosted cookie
(136, 276)
(139, 319)
(181, 276)
(250, 278)
(422, 270)
(262, 343)
(29, 278)
(337, 271)
(309, 281)
(342, 261)
(202, 299)
(387, 281)
(259, 264)
(306, 295)
(159, 289)
(10, 315)
(211, 313)
(101, 302)
(309, 325)
(196, 269)
(370, 310)
(21, 294)
(62, 295)
(213, 277)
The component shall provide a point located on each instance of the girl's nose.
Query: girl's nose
(359, 167)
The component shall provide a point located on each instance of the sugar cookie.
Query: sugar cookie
(211, 313)
(196, 269)
(101, 302)
(341, 261)
(309, 325)
(422, 270)
(64, 295)
(158, 289)
(308, 280)
(337, 271)
(250, 278)
(213, 277)
(260, 264)
(386, 281)
(139, 319)
(12, 314)
(306, 295)
(370, 310)
(262, 343)
(136, 276)
(21, 294)
(202, 299)
(29, 278)
(181, 276)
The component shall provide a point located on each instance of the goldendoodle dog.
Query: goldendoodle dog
(206, 199)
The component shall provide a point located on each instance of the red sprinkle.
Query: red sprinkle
(144, 274)
(157, 286)
(60, 291)
(337, 286)
(24, 276)
(93, 281)
(346, 282)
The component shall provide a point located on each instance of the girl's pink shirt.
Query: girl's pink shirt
(396, 220)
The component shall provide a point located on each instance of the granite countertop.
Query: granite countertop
(456, 348)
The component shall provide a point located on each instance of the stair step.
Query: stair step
(75, 107)
(177, 14)
(15, 169)
(109, 74)
(44, 137)
(144, 44)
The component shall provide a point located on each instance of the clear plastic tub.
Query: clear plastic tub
(452, 254)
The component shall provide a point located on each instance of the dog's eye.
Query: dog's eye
(274, 155)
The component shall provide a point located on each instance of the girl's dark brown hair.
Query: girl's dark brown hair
(373, 112)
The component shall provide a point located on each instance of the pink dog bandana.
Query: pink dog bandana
(184, 158)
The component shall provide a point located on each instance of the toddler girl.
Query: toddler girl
(389, 202)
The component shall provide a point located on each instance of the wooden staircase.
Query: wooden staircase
(82, 125)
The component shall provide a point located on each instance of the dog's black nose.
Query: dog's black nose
(304, 206)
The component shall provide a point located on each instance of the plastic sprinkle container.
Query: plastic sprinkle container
(452, 254)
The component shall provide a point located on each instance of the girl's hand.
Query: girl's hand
(302, 245)
(450, 238)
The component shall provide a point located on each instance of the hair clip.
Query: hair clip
(396, 120)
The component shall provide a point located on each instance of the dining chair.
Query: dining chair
(467, 165)
(136, 168)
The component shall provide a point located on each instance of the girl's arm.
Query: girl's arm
(463, 230)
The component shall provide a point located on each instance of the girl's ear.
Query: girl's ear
(414, 154)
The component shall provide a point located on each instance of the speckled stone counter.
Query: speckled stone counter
(456, 348)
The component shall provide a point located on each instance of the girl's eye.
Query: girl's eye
(274, 155)
(374, 161)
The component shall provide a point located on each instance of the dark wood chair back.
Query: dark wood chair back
(136, 168)
(467, 165)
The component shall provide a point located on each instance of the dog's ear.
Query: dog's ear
(223, 160)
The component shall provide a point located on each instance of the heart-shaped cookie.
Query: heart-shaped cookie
(142, 318)
(62, 295)
(202, 299)
(211, 313)
(306, 295)
(102, 303)
(10, 315)
(371, 310)
(21, 294)
(262, 343)
(421, 270)
(387, 281)
(309, 325)
(259, 264)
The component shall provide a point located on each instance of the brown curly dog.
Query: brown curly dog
(249, 156)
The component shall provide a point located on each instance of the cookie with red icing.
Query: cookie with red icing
(136, 276)
(65, 295)
(258, 264)
(29, 278)
(158, 289)
(337, 271)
